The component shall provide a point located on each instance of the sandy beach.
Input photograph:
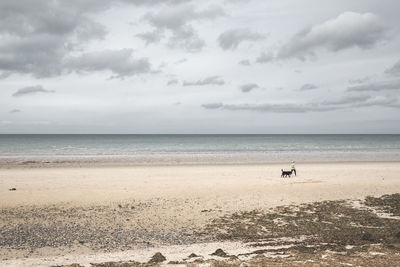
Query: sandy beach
(104, 210)
(233, 186)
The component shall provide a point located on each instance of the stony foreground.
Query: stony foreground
(335, 233)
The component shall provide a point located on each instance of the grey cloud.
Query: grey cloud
(265, 58)
(348, 30)
(5, 74)
(151, 37)
(119, 62)
(350, 99)
(245, 88)
(324, 106)
(377, 86)
(183, 60)
(383, 101)
(175, 18)
(31, 90)
(276, 108)
(177, 21)
(40, 55)
(360, 80)
(394, 70)
(59, 17)
(154, 2)
(15, 111)
(212, 106)
(245, 62)
(187, 38)
(237, 1)
(24, 17)
(172, 82)
(231, 39)
(88, 30)
(308, 86)
(212, 80)
(36, 36)
(356, 101)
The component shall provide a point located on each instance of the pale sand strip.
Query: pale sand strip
(232, 186)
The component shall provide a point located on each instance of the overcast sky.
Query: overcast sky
(180, 66)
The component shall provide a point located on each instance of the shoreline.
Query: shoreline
(109, 162)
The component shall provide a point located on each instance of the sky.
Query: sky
(199, 67)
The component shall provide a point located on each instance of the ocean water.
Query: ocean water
(235, 148)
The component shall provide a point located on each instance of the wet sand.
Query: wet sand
(81, 211)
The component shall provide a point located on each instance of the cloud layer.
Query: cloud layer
(348, 102)
(37, 37)
(202, 65)
(376, 86)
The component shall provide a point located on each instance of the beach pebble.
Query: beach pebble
(219, 252)
(158, 257)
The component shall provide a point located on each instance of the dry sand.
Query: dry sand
(233, 186)
(174, 198)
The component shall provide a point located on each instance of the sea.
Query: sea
(241, 148)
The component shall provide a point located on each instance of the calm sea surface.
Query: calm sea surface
(237, 147)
